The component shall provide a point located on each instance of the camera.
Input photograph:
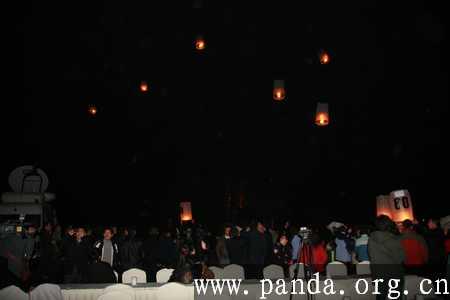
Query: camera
(305, 233)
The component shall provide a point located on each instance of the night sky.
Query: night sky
(208, 128)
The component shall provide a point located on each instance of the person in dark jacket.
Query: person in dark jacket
(167, 253)
(77, 259)
(257, 247)
(282, 254)
(223, 245)
(149, 250)
(236, 247)
(107, 250)
(49, 256)
(435, 239)
(386, 255)
(130, 251)
(416, 249)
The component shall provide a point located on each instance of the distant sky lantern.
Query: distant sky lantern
(322, 115)
(144, 86)
(279, 91)
(92, 110)
(383, 206)
(324, 57)
(185, 211)
(200, 43)
(401, 206)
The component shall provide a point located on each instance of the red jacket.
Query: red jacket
(416, 250)
(447, 246)
(319, 257)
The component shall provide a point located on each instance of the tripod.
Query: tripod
(305, 256)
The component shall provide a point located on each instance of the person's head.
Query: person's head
(113, 230)
(80, 233)
(48, 227)
(227, 230)
(260, 227)
(167, 234)
(153, 231)
(283, 240)
(384, 223)
(31, 230)
(185, 250)
(182, 275)
(70, 231)
(287, 224)
(408, 225)
(433, 223)
(108, 233)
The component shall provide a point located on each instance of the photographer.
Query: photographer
(282, 254)
(17, 249)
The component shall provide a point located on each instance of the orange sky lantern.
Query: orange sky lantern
(92, 110)
(144, 86)
(279, 91)
(200, 43)
(322, 115)
(324, 57)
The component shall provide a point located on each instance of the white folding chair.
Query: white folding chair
(46, 291)
(336, 268)
(141, 277)
(12, 292)
(363, 268)
(123, 288)
(234, 272)
(116, 295)
(175, 291)
(301, 270)
(273, 272)
(218, 272)
(163, 275)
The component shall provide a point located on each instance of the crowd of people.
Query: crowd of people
(84, 255)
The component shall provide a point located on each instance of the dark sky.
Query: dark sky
(209, 127)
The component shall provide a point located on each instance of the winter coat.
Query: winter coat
(98, 250)
(386, 255)
(416, 249)
(361, 248)
(131, 254)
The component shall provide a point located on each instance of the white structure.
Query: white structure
(363, 268)
(336, 268)
(127, 276)
(234, 272)
(13, 292)
(175, 291)
(163, 275)
(273, 272)
(46, 292)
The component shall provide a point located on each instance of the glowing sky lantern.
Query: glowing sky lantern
(324, 57)
(401, 206)
(185, 211)
(322, 114)
(279, 91)
(92, 110)
(200, 43)
(144, 86)
(383, 206)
